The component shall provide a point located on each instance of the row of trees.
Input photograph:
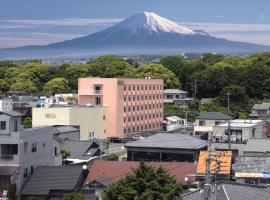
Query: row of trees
(39, 78)
(246, 79)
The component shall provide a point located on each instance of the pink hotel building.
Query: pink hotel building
(134, 105)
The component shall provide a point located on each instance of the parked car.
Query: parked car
(138, 137)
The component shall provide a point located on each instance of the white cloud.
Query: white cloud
(219, 27)
(56, 22)
(14, 40)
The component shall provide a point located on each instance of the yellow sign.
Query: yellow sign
(50, 115)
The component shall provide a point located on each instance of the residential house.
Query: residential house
(134, 105)
(229, 191)
(6, 105)
(103, 173)
(92, 120)
(253, 166)
(204, 123)
(220, 165)
(177, 97)
(23, 149)
(174, 123)
(166, 147)
(240, 130)
(260, 111)
(52, 182)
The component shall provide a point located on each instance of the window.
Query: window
(32, 170)
(98, 101)
(55, 151)
(15, 125)
(104, 117)
(3, 125)
(253, 132)
(142, 87)
(97, 89)
(125, 88)
(25, 147)
(43, 145)
(124, 98)
(138, 87)
(133, 87)
(133, 108)
(129, 98)
(25, 172)
(124, 120)
(217, 122)
(129, 88)
(128, 109)
(124, 109)
(34, 147)
(133, 98)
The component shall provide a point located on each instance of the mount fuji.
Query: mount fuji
(142, 33)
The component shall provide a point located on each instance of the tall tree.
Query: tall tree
(146, 182)
(56, 85)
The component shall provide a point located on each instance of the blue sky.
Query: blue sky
(27, 22)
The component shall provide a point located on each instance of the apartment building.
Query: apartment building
(134, 105)
(21, 151)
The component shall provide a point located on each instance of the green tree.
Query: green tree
(27, 122)
(73, 196)
(4, 86)
(110, 66)
(56, 85)
(24, 85)
(158, 71)
(146, 182)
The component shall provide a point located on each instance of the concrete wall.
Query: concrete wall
(92, 120)
(209, 124)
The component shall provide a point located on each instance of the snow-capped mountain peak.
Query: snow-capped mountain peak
(153, 23)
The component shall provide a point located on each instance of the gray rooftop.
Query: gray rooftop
(214, 116)
(170, 141)
(232, 191)
(262, 106)
(58, 129)
(12, 113)
(79, 149)
(174, 91)
(8, 170)
(252, 165)
(261, 145)
(45, 179)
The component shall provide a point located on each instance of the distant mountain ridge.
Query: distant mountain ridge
(142, 33)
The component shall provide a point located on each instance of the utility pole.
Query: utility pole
(207, 184)
(229, 134)
(228, 99)
(195, 89)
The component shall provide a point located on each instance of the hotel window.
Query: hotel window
(145, 107)
(129, 98)
(129, 88)
(133, 119)
(128, 119)
(142, 87)
(141, 117)
(133, 87)
(125, 88)
(124, 120)
(142, 98)
(133, 108)
(145, 127)
(141, 107)
(150, 88)
(133, 129)
(138, 98)
(154, 87)
(141, 127)
(137, 118)
(128, 130)
(98, 101)
(133, 98)
(124, 109)
(124, 130)
(124, 98)
(138, 87)
(97, 89)
(146, 97)
(138, 108)
(146, 87)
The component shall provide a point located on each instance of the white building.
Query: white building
(23, 150)
(177, 97)
(241, 130)
(204, 124)
(174, 123)
(6, 105)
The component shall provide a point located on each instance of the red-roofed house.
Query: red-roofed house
(103, 173)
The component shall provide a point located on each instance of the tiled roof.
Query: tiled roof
(47, 178)
(262, 106)
(258, 145)
(174, 91)
(12, 113)
(247, 166)
(225, 158)
(108, 172)
(232, 191)
(214, 116)
(170, 141)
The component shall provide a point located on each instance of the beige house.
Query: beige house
(91, 119)
(204, 124)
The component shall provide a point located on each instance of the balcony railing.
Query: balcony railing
(97, 91)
